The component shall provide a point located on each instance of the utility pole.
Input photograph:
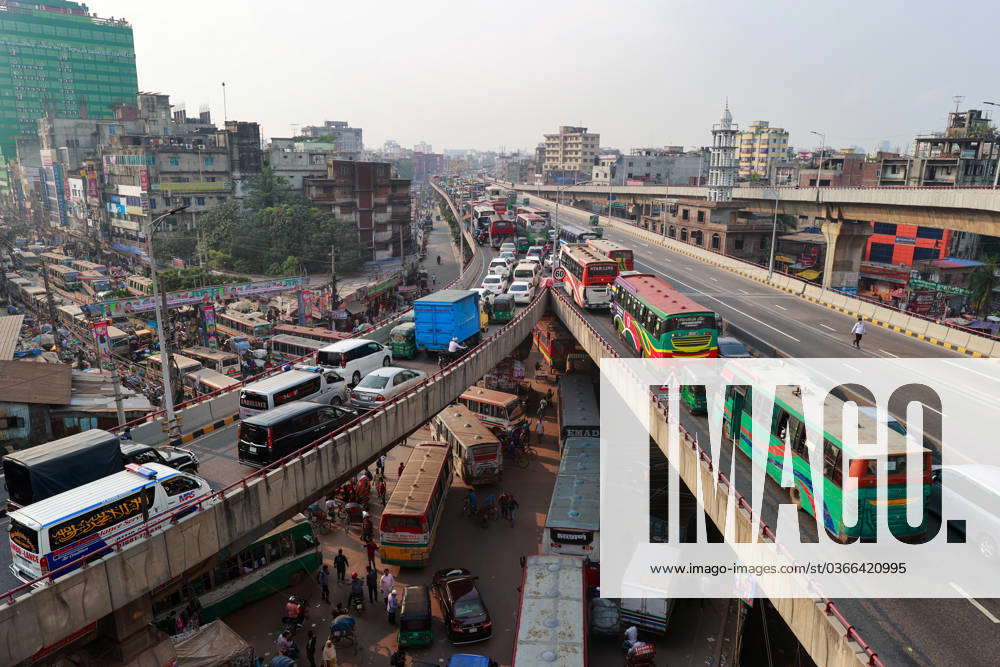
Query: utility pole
(173, 428)
(50, 301)
(334, 299)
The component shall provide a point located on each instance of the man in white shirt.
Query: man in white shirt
(858, 330)
(631, 636)
(454, 346)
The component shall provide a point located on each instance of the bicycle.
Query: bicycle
(522, 456)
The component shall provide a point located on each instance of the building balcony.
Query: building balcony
(381, 237)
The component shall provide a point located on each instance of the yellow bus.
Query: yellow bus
(414, 511)
(184, 364)
(139, 285)
(207, 381)
(63, 276)
(238, 324)
(475, 451)
(496, 409)
(219, 361)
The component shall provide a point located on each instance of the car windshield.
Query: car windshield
(492, 280)
(373, 382)
(466, 597)
(731, 348)
(518, 288)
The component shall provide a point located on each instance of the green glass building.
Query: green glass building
(56, 59)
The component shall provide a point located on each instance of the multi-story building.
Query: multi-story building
(57, 60)
(246, 158)
(905, 244)
(966, 153)
(570, 154)
(724, 227)
(296, 161)
(346, 140)
(366, 195)
(651, 166)
(759, 147)
(843, 168)
(426, 165)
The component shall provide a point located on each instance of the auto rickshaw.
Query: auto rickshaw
(503, 308)
(402, 340)
(415, 627)
(599, 231)
(521, 244)
(595, 219)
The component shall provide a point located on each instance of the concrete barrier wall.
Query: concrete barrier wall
(980, 345)
(821, 635)
(918, 325)
(42, 617)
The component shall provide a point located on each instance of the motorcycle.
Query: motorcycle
(356, 603)
(640, 653)
(291, 624)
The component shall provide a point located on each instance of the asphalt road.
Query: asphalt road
(901, 631)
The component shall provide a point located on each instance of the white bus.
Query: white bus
(139, 285)
(572, 525)
(83, 522)
(184, 365)
(476, 453)
(219, 361)
(552, 619)
(317, 384)
(286, 348)
(207, 381)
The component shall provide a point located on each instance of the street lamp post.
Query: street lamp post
(822, 156)
(774, 237)
(996, 158)
(159, 301)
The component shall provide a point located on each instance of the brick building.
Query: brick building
(719, 226)
(365, 194)
(902, 245)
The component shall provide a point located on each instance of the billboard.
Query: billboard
(208, 325)
(100, 330)
(126, 307)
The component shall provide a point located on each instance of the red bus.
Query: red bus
(623, 256)
(500, 231)
(589, 275)
(313, 333)
(500, 206)
(533, 210)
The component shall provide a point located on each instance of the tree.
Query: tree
(787, 222)
(268, 189)
(981, 282)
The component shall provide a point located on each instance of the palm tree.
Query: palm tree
(981, 282)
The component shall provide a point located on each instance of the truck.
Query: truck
(40, 472)
(446, 314)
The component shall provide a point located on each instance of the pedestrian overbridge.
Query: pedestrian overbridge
(117, 587)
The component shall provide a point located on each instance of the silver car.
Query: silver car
(383, 384)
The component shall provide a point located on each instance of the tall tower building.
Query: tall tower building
(57, 60)
(722, 161)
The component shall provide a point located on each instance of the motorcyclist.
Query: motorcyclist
(631, 637)
(454, 346)
(367, 527)
(357, 590)
(295, 609)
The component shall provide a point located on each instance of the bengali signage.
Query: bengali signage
(100, 331)
(208, 325)
(939, 287)
(128, 307)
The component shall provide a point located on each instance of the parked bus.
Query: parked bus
(139, 285)
(475, 451)
(496, 409)
(322, 385)
(572, 525)
(56, 258)
(553, 340)
(588, 275)
(29, 260)
(94, 284)
(219, 361)
(63, 277)
(579, 414)
(71, 315)
(622, 256)
(84, 265)
(574, 234)
(238, 324)
(293, 348)
(283, 557)
(207, 381)
(552, 614)
(121, 341)
(501, 231)
(533, 210)
(658, 321)
(315, 333)
(786, 419)
(154, 367)
(532, 227)
(413, 513)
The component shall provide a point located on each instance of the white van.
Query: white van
(303, 383)
(85, 521)
(528, 272)
(354, 358)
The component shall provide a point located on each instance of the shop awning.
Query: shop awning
(809, 274)
(355, 308)
(785, 259)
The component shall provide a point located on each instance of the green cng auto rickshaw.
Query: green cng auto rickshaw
(402, 340)
(522, 244)
(415, 618)
(599, 231)
(503, 308)
(594, 219)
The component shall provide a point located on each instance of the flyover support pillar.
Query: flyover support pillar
(845, 247)
(127, 637)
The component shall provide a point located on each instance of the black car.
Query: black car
(272, 435)
(465, 614)
(174, 457)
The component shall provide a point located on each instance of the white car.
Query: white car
(494, 283)
(522, 291)
(354, 358)
(501, 267)
(535, 251)
(382, 384)
(507, 247)
(509, 255)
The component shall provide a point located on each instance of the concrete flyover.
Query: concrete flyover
(974, 210)
(819, 626)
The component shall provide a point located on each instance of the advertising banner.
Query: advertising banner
(100, 330)
(211, 339)
(128, 307)
(305, 307)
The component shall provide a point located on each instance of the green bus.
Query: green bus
(787, 418)
(658, 321)
(283, 557)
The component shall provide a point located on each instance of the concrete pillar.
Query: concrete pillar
(845, 246)
(127, 637)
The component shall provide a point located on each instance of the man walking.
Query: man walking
(542, 404)
(391, 606)
(324, 583)
(340, 564)
(370, 549)
(371, 580)
(512, 509)
(386, 583)
(858, 330)
(540, 430)
(380, 490)
(380, 465)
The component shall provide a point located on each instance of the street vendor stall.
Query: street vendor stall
(214, 645)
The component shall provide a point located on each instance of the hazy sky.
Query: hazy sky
(471, 74)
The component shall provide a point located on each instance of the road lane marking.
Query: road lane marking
(745, 292)
(852, 368)
(713, 279)
(888, 353)
(966, 368)
(974, 602)
(782, 307)
(827, 326)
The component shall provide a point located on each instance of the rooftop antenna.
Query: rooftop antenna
(958, 100)
(225, 108)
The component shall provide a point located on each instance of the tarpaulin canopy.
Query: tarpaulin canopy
(213, 645)
(809, 274)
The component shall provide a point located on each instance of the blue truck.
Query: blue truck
(446, 314)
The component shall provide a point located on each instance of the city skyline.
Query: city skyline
(663, 84)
